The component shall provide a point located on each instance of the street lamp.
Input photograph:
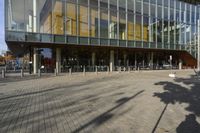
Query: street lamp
(198, 43)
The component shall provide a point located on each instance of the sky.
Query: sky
(2, 35)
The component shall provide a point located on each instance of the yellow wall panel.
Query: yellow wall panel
(130, 31)
(145, 34)
(138, 36)
(71, 19)
(47, 24)
(71, 27)
(94, 15)
(58, 19)
(83, 21)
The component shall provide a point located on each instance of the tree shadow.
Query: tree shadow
(16, 102)
(189, 125)
(183, 90)
(108, 114)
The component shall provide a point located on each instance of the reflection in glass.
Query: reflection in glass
(57, 18)
(15, 13)
(122, 26)
(146, 29)
(138, 28)
(130, 27)
(159, 31)
(113, 24)
(168, 22)
(153, 22)
(71, 27)
(45, 16)
(83, 20)
(104, 23)
(94, 22)
(166, 29)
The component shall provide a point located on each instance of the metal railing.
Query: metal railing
(68, 39)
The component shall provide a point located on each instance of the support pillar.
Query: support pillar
(58, 60)
(112, 60)
(148, 60)
(180, 64)
(35, 61)
(135, 61)
(34, 26)
(157, 64)
(151, 60)
(127, 62)
(125, 57)
(198, 46)
(30, 61)
(93, 58)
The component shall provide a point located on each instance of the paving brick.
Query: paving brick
(126, 102)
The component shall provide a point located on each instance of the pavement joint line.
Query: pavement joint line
(25, 112)
(58, 104)
(10, 109)
(13, 122)
(59, 112)
(29, 112)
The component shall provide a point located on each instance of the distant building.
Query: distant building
(2, 61)
(74, 33)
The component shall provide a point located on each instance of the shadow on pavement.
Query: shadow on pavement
(190, 125)
(174, 92)
(107, 115)
(87, 82)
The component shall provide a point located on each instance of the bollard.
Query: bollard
(3, 73)
(129, 69)
(55, 72)
(39, 73)
(22, 73)
(108, 70)
(70, 71)
(138, 68)
(119, 69)
(84, 71)
(124, 69)
(96, 70)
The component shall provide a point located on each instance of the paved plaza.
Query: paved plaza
(136, 102)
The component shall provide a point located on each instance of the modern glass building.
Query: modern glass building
(62, 33)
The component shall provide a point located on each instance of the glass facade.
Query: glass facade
(163, 24)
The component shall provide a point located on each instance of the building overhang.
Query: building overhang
(195, 2)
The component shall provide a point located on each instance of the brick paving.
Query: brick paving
(137, 102)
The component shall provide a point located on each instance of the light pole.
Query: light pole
(170, 58)
(198, 43)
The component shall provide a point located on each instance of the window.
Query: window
(71, 24)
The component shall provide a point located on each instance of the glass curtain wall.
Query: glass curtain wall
(153, 21)
(138, 25)
(83, 18)
(104, 18)
(58, 17)
(45, 16)
(113, 25)
(131, 19)
(15, 15)
(122, 20)
(94, 20)
(159, 16)
(161, 22)
(71, 18)
(146, 26)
